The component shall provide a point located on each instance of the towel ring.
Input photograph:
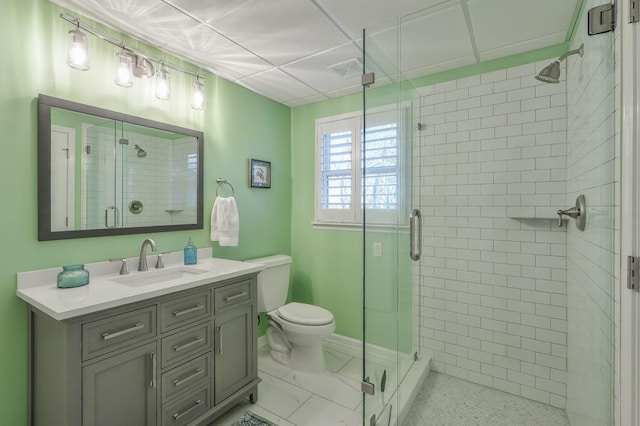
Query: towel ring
(221, 182)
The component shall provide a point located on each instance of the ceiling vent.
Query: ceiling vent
(347, 69)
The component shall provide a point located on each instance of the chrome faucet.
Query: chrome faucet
(142, 263)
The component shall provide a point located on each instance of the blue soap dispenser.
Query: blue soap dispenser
(190, 253)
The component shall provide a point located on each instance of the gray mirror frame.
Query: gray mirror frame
(45, 103)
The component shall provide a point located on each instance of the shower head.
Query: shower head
(551, 73)
(141, 152)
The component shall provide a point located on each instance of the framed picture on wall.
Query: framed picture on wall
(259, 173)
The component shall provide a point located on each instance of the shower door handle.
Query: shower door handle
(413, 253)
(116, 213)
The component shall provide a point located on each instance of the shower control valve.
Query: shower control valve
(578, 212)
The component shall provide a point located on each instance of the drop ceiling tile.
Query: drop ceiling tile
(499, 23)
(223, 57)
(280, 31)
(354, 15)
(149, 20)
(525, 46)
(277, 85)
(208, 10)
(425, 41)
(317, 69)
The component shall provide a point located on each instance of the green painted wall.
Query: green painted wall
(237, 123)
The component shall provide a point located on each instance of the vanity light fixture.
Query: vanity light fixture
(197, 94)
(78, 53)
(130, 63)
(163, 86)
(124, 69)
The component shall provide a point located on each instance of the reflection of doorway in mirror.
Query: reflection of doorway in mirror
(63, 154)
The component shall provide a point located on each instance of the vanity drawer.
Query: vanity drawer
(186, 377)
(187, 408)
(108, 334)
(232, 295)
(186, 343)
(185, 310)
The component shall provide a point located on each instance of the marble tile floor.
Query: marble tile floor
(292, 398)
(445, 400)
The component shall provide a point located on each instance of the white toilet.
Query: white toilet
(296, 330)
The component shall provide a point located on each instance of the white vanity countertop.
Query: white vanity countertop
(39, 288)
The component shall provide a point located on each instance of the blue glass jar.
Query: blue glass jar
(73, 276)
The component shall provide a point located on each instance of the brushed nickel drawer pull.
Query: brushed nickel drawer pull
(219, 343)
(197, 341)
(196, 373)
(154, 369)
(235, 296)
(188, 311)
(108, 336)
(177, 415)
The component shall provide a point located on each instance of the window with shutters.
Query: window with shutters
(358, 171)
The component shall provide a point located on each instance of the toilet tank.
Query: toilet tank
(273, 281)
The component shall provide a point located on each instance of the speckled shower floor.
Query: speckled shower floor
(445, 400)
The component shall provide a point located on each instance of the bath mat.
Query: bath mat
(251, 419)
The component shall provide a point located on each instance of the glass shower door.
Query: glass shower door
(386, 152)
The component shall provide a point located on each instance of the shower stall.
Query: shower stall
(475, 265)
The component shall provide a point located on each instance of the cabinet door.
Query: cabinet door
(234, 351)
(121, 390)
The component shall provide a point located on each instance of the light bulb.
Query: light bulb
(197, 96)
(163, 87)
(124, 72)
(78, 55)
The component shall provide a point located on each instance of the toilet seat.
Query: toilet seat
(305, 314)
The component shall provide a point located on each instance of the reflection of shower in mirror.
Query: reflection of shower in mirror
(141, 152)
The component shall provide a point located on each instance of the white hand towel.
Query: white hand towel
(225, 222)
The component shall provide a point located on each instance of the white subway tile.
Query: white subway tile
(506, 85)
(535, 394)
(493, 99)
(551, 336)
(494, 121)
(457, 116)
(471, 124)
(493, 76)
(521, 94)
(506, 108)
(510, 130)
(551, 361)
(522, 117)
(480, 112)
(521, 141)
(458, 94)
(445, 86)
(471, 81)
(551, 113)
(482, 90)
(536, 128)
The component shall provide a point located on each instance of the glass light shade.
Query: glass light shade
(197, 95)
(78, 54)
(124, 71)
(163, 87)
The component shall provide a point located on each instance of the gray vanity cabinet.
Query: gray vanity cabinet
(119, 390)
(175, 360)
(234, 366)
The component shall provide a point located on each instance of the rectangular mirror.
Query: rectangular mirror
(102, 173)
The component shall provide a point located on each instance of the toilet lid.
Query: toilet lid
(304, 314)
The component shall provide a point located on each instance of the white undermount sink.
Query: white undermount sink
(157, 276)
